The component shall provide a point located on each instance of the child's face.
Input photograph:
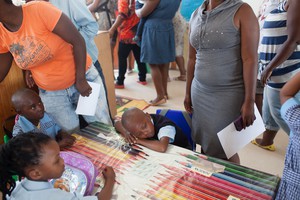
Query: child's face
(51, 164)
(143, 127)
(32, 108)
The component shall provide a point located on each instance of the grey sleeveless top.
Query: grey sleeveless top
(217, 42)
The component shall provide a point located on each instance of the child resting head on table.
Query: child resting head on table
(36, 157)
(150, 130)
(33, 118)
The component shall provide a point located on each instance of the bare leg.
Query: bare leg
(258, 102)
(164, 69)
(173, 65)
(180, 64)
(157, 78)
(267, 139)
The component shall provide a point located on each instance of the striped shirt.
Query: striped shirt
(274, 34)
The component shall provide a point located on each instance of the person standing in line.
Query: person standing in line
(42, 39)
(87, 26)
(280, 60)
(127, 22)
(158, 44)
(222, 70)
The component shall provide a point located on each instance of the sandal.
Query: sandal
(180, 78)
(267, 147)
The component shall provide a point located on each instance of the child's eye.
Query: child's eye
(32, 107)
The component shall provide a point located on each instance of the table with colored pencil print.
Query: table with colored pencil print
(177, 174)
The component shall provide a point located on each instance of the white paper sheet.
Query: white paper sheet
(87, 105)
(232, 140)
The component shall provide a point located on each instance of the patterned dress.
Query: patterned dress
(290, 183)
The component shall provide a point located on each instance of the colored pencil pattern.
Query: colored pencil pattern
(145, 174)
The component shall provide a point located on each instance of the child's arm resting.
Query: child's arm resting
(109, 176)
(65, 140)
(156, 145)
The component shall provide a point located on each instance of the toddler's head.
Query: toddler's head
(28, 104)
(31, 155)
(138, 123)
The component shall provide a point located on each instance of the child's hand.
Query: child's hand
(66, 140)
(131, 139)
(108, 173)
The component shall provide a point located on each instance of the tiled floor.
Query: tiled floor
(251, 156)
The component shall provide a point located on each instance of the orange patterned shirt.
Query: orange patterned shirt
(128, 27)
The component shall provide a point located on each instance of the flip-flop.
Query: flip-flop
(267, 147)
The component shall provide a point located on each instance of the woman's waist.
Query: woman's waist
(158, 22)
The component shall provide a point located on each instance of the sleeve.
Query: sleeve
(86, 23)
(123, 8)
(17, 130)
(57, 128)
(48, 14)
(290, 112)
(167, 131)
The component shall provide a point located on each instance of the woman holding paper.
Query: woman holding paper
(40, 38)
(221, 73)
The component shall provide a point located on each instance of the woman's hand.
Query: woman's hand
(83, 88)
(248, 116)
(28, 79)
(265, 75)
(188, 104)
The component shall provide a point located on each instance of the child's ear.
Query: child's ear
(34, 174)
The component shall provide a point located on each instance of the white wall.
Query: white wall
(254, 4)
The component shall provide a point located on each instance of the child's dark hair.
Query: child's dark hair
(20, 152)
(8, 1)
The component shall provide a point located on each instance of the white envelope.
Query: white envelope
(232, 140)
(87, 105)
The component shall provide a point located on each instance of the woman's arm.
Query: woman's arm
(114, 27)
(288, 47)
(147, 9)
(190, 76)
(290, 89)
(6, 61)
(247, 22)
(68, 32)
(93, 6)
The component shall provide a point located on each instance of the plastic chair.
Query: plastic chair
(181, 119)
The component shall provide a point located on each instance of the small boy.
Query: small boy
(33, 118)
(126, 23)
(290, 112)
(150, 130)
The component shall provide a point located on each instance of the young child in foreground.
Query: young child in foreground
(150, 130)
(36, 157)
(33, 118)
(290, 112)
